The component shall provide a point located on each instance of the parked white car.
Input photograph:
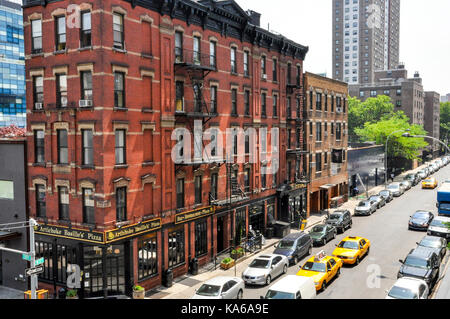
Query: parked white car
(264, 268)
(221, 288)
(440, 227)
(292, 287)
(409, 288)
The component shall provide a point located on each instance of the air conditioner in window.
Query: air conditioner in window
(38, 106)
(339, 110)
(85, 103)
(264, 76)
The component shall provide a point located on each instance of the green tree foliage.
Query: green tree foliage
(398, 146)
(369, 111)
(445, 121)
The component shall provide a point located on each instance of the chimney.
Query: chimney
(254, 17)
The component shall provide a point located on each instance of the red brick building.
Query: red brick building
(108, 83)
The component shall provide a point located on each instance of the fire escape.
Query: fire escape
(300, 150)
(195, 67)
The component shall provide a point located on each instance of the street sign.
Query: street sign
(39, 261)
(26, 257)
(34, 271)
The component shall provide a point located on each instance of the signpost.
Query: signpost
(34, 271)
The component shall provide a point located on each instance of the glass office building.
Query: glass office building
(12, 64)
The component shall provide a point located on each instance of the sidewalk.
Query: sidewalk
(184, 287)
(9, 293)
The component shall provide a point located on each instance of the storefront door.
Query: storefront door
(104, 267)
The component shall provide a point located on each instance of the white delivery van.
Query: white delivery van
(292, 287)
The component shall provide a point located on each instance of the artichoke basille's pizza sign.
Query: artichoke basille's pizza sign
(99, 237)
(71, 233)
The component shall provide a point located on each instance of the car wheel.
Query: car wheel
(357, 261)
(338, 272)
(268, 280)
(285, 269)
(240, 294)
(295, 260)
(324, 285)
(342, 230)
(324, 242)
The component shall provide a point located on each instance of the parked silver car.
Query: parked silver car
(406, 185)
(395, 189)
(366, 207)
(221, 288)
(264, 268)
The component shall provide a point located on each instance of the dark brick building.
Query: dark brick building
(108, 84)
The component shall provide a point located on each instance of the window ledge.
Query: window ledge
(119, 50)
(120, 166)
(86, 108)
(146, 164)
(120, 109)
(147, 110)
(39, 165)
(147, 55)
(234, 73)
(38, 111)
(87, 166)
(35, 55)
(60, 52)
(89, 48)
(89, 225)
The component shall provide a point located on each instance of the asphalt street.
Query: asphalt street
(390, 239)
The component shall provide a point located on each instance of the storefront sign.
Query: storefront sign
(70, 233)
(132, 230)
(195, 214)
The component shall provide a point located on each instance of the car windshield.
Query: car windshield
(318, 229)
(286, 244)
(273, 294)
(318, 267)
(348, 245)
(445, 206)
(335, 217)
(384, 193)
(402, 293)
(439, 223)
(408, 177)
(430, 243)
(416, 262)
(393, 187)
(420, 215)
(208, 290)
(260, 263)
(363, 204)
(428, 181)
(374, 198)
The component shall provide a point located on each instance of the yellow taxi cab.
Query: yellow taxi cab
(352, 249)
(430, 183)
(322, 269)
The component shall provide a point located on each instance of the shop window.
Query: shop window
(201, 237)
(241, 225)
(56, 260)
(147, 257)
(176, 248)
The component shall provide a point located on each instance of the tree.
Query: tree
(445, 121)
(370, 111)
(399, 146)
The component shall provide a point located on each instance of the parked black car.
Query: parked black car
(437, 243)
(341, 219)
(387, 195)
(413, 178)
(323, 233)
(420, 220)
(295, 246)
(422, 264)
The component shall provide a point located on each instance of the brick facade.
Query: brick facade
(149, 117)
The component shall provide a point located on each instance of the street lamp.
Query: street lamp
(430, 137)
(386, 155)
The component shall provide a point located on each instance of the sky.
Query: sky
(424, 34)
